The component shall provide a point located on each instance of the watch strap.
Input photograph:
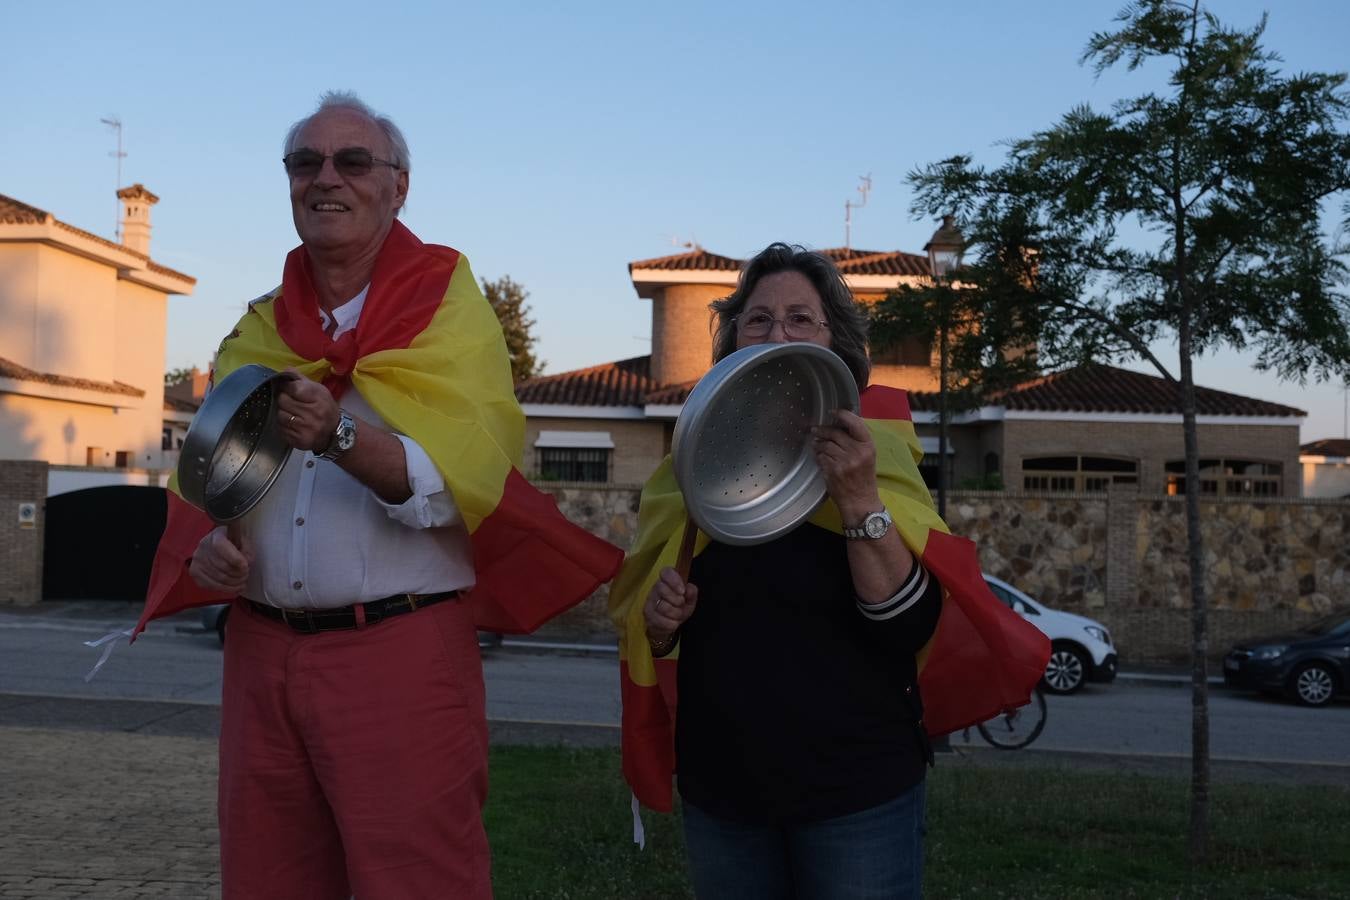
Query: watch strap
(860, 533)
(343, 438)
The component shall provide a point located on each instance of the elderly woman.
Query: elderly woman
(799, 745)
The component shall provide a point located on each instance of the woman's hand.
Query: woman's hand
(307, 413)
(669, 605)
(848, 460)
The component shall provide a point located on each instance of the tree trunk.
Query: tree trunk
(1199, 830)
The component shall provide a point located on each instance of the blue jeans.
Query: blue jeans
(876, 853)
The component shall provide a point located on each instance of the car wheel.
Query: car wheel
(1066, 671)
(220, 624)
(1312, 684)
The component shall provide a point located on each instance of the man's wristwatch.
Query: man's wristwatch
(873, 528)
(344, 437)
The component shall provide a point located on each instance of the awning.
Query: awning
(575, 439)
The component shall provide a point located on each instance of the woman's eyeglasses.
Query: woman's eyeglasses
(350, 162)
(798, 326)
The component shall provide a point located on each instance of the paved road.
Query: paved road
(44, 655)
(177, 661)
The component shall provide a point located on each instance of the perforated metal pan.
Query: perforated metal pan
(742, 448)
(234, 450)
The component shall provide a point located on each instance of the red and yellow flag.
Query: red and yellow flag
(428, 355)
(983, 659)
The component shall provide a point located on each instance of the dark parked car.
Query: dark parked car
(1310, 665)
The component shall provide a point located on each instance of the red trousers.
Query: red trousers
(354, 762)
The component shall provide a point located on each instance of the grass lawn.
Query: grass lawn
(560, 827)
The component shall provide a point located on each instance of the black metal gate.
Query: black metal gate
(100, 542)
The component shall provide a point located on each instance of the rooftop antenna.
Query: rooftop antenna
(690, 244)
(849, 206)
(119, 154)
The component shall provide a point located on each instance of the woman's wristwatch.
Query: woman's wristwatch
(873, 528)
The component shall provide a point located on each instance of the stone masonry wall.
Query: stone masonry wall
(1118, 558)
(21, 481)
(1045, 546)
(609, 511)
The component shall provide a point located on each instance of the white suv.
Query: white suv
(1080, 648)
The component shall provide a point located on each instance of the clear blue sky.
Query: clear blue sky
(558, 142)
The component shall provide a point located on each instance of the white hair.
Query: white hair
(348, 100)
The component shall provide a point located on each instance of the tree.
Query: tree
(508, 301)
(982, 345)
(1193, 215)
(177, 376)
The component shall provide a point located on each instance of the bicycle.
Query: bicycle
(1014, 729)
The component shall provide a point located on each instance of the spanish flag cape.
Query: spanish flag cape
(983, 658)
(428, 355)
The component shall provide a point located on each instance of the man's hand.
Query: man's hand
(220, 565)
(306, 413)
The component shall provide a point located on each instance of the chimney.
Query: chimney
(136, 203)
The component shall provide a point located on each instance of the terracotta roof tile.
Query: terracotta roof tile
(623, 383)
(177, 404)
(13, 370)
(671, 395)
(14, 212)
(893, 263)
(182, 395)
(1326, 447)
(699, 259)
(849, 261)
(1107, 389)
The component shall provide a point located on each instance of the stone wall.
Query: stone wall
(1049, 547)
(21, 482)
(1118, 558)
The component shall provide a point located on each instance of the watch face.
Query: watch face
(876, 526)
(346, 433)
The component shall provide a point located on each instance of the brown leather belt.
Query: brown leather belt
(312, 621)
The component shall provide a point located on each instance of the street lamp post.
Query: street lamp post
(944, 255)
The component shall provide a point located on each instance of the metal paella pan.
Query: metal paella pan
(742, 447)
(234, 450)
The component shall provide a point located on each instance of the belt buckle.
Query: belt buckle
(301, 620)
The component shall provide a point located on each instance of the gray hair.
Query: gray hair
(398, 146)
(848, 322)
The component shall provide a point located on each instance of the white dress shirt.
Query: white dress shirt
(322, 539)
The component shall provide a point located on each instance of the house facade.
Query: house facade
(82, 338)
(1077, 431)
(1326, 468)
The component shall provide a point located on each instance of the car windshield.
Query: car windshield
(1336, 623)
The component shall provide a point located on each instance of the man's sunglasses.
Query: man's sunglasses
(350, 162)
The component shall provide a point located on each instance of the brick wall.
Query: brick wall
(639, 444)
(21, 481)
(681, 331)
(1151, 444)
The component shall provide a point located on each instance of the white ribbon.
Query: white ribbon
(111, 640)
(639, 833)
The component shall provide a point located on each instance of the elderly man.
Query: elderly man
(353, 751)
